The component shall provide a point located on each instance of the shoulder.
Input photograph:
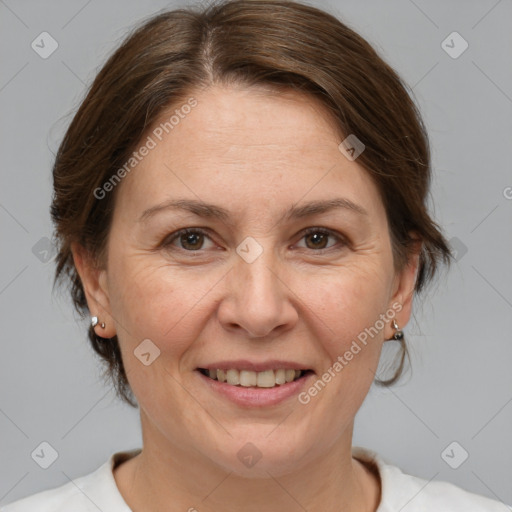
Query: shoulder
(408, 493)
(89, 493)
(71, 496)
(56, 500)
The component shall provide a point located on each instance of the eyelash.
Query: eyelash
(167, 243)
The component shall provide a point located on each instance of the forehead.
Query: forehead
(249, 147)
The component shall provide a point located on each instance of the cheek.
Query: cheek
(349, 303)
(151, 300)
(350, 336)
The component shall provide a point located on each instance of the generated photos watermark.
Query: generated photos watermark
(343, 360)
(151, 142)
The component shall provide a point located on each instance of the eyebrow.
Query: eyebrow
(202, 209)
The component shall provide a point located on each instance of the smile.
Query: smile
(248, 378)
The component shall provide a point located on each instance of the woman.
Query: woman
(240, 204)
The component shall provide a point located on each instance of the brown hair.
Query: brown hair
(277, 44)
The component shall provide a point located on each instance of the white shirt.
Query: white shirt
(400, 492)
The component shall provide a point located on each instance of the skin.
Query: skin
(256, 154)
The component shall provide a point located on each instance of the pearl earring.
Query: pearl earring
(94, 322)
(399, 334)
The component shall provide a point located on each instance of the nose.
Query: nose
(258, 300)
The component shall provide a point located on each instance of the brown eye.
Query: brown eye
(318, 239)
(192, 241)
(189, 240)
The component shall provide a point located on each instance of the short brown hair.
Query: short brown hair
(277, 44)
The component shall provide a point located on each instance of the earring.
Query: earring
(94, 322)
(399, 334)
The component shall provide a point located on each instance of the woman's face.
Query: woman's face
(252, 290)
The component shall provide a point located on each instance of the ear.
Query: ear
(94, 282)
(403, 288)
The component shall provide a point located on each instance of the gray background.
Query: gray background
(461, 384)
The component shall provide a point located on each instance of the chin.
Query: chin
(261, 452)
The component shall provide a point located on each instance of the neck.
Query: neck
(165, 473)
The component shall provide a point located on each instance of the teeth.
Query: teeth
(266, 379)
(233, 377)
(280, 376)
(247, 378)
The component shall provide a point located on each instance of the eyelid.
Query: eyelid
(342, 240)
(168, 241)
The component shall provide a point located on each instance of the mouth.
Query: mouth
(252, 379)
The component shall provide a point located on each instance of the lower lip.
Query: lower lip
(256, 397)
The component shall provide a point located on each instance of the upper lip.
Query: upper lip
(244, 364)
